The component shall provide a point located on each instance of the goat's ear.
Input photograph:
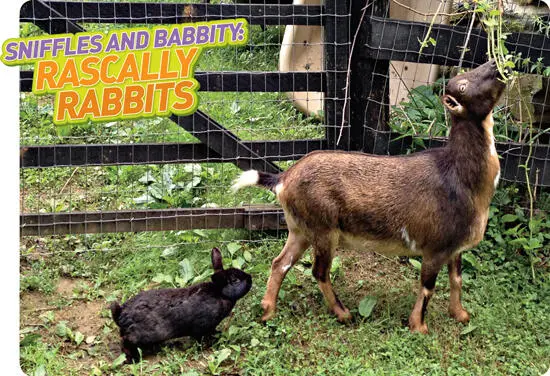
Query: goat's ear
(217, 261)
(452, 104)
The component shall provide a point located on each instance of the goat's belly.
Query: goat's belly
(385, 247)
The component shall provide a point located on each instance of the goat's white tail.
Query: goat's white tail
(253, 177)
(247, 178)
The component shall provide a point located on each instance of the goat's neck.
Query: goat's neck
(472, 154)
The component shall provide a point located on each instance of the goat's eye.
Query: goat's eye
(462, 88)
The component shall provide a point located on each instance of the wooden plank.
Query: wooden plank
(237, 81)
(253, 218)
(169, 13)
(155, 153)
(386, 42)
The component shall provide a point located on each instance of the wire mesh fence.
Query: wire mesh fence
(352, 75)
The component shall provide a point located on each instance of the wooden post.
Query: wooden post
(337, 49)
(369, 94)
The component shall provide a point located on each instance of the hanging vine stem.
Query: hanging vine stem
(427, 38)
(349, 71)
(528, 182)
(497, 50)
(465, 47)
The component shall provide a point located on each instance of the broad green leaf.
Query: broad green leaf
(468, 329)
(212, 367)
(195, 181)
(201, 233)
(238, 262)
(233, 247)
(186, 270)
(247, 256)
(78, 338)
(417, 265)
(508, 218)
(367, 305)
(159, 278)
(157, 191)
(534, 243)
(223, 355)
(202, 276)
(169, 251)
(119, 361)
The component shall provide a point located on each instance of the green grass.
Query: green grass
(509, 332)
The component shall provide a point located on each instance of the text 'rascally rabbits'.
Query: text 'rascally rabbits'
(154, 316)
(433, 203)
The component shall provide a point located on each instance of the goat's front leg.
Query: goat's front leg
(430, 268)
(324, 251)
(455, 278)
(293, 250)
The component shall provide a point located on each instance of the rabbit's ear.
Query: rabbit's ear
(217, 261)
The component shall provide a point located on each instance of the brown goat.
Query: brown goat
(432, 203)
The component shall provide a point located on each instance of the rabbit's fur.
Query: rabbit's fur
(155, 316)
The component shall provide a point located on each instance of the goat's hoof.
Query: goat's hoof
(460, 315)
(343, 315)
(418, 328)
(269, 311)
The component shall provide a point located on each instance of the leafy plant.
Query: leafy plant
(63, 331)
(216, 359)
(367, 305)
(169, 186)
(422, 115)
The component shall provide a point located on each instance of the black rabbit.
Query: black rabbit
(154, 316)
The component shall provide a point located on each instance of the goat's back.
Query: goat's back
(378, 198)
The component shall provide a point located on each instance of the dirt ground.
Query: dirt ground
(92, 317)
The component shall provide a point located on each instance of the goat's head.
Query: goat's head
(474, 94)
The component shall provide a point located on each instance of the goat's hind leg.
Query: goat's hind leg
(323, 249)
(293, 250)
(455, 280)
